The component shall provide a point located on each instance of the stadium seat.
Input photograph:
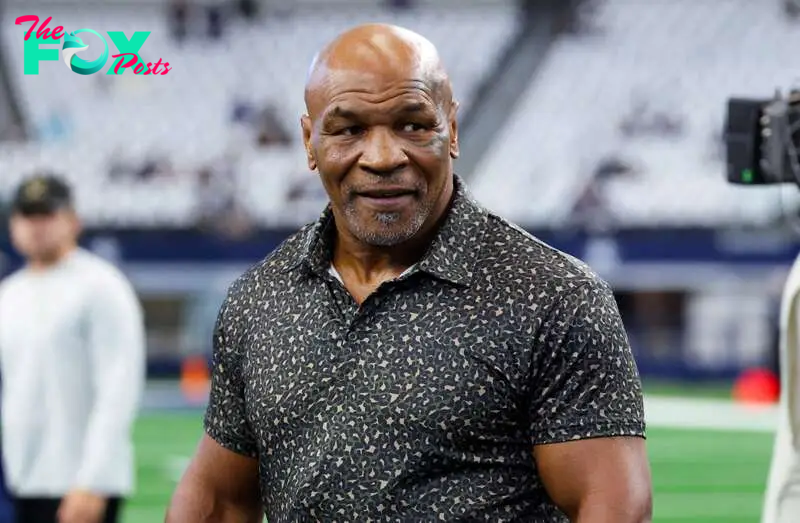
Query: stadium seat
(683, 59)
(188, 111)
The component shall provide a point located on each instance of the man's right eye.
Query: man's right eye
(352, 130)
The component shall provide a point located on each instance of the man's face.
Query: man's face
(43, 237)
(383, 148)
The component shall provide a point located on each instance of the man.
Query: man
(6, 502)
(782, 499)
(72, 362)
(412, 356)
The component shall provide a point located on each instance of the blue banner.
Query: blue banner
(634, 246)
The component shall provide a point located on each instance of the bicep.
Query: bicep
(608, 478)
(219, 485)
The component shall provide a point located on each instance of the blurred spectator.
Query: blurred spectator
(242, 110)
(266, 123)
(151, 166)
(148, 170)
(215, 21)
(218, 209)
(644, 119)
(270, 128)
(591, 211)
(611, 167)
(154, 166)
(400, 4)
(248, 9)
(791, 8)
(179, 19)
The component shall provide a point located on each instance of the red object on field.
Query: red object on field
(757, 386)
(195, 379)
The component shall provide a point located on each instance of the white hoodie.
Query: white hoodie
(72, 357)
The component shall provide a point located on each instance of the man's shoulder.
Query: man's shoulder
(11, 284)
(516, 253)
(99, 273)
(275, 267)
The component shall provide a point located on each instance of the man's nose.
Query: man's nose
(382, 153)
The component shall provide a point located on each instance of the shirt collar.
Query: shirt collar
(450, 257)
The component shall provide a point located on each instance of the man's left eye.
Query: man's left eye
(412, 127)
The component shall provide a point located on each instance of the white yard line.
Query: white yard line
(709, 414)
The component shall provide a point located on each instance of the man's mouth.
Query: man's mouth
(387, 198)
(386, 193)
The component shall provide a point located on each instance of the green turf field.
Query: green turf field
(700, 476)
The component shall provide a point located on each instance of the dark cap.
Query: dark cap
(44, 194)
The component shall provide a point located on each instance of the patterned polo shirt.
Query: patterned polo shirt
(423, 403)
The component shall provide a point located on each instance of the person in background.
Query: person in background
(72, 363)
(782, 497)
(179, 19)
(248, 9)
(215, 20)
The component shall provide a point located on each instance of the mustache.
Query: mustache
(387, 186)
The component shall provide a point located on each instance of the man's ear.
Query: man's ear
(307, 125)
(454, 149)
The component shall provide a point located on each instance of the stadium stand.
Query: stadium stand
(646, 87)
(202, 110)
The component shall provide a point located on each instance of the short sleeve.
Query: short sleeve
(226, 419)
(584, 380)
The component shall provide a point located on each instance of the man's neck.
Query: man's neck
(45, 264)
(371, 265)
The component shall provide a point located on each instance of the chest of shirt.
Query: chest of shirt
(430, 360)
(46, 317)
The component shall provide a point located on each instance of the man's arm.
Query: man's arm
(603, 480)
(587, 412)
(117, 355)
(219, 486)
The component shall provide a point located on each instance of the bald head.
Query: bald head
(388, 52)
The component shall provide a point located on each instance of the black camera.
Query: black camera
(762, 139)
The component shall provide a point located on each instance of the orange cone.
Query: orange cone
(757, 386)
(195, 379)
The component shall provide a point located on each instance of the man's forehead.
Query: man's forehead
(354, 109)
(374, 58)
(354, 89)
